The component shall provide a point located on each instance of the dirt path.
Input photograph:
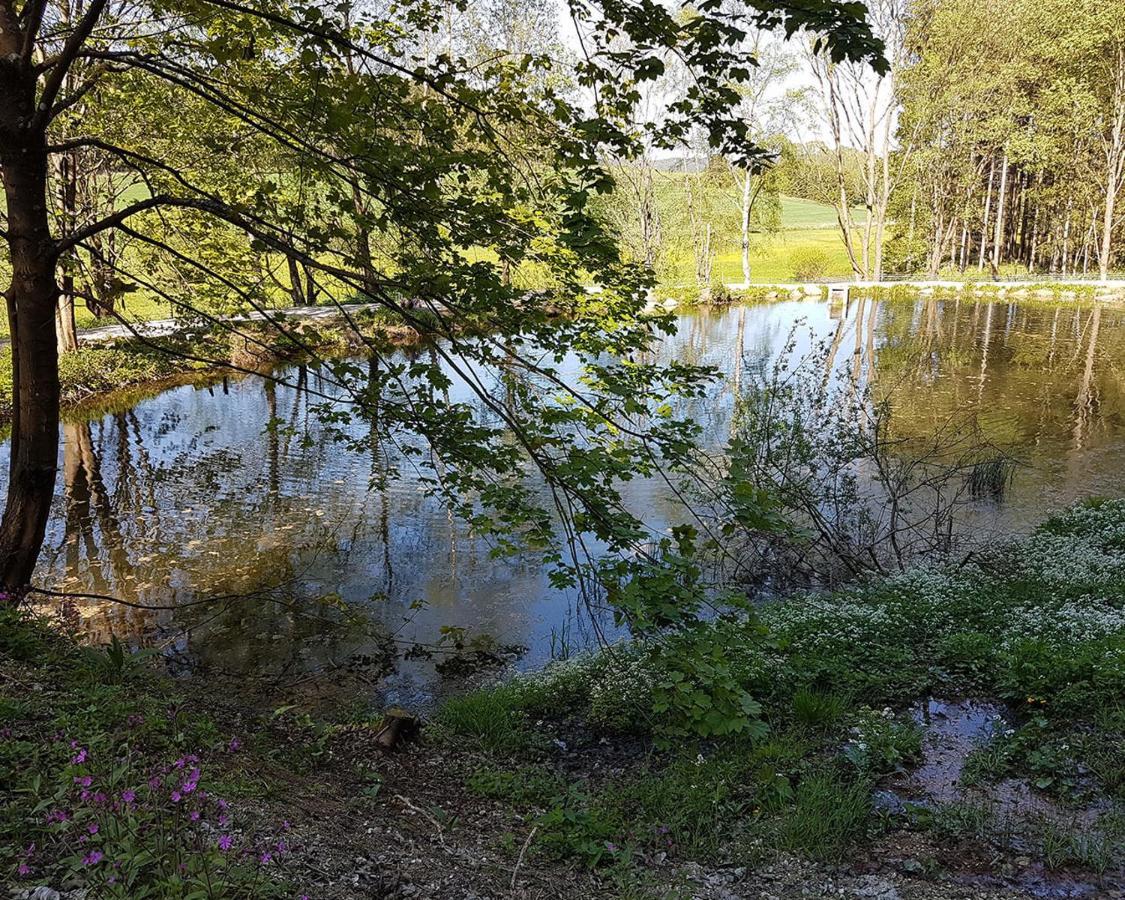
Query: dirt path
(166, 327)
(157, 328)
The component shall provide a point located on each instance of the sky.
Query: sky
(797, 92)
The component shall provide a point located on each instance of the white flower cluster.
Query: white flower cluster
(1061, 560)
(818, 622)
(623, 691)
(1077, 621)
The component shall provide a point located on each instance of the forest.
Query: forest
(541, 449)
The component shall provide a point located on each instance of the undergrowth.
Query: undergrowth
(1037, 625)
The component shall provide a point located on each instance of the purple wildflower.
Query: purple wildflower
(83, 780)
(194, 815)
(24, 870)
(92, 858)
(57, 815)
(128, 795)
(234, 745)
(79, 757)
(176, 797)
(224, 842)
(266, 858)
(92, 828)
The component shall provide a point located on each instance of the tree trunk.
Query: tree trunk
(1066, 236)
(1107, 233)
(1115, 164)
(1001, 196)
(296, 287)
(68, 197)
(31, 300)
(64, 322)
(987, 213)
(747, 198)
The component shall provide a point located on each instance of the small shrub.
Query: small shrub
(828, 816)
(879, 743)
(492, 719)
(576, 826)
(818, 710)
(126, 832)
(520, 786)
(970, 656)
(621, 696)
(698, 692)
(809, 263)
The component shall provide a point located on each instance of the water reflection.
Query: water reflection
(238, 489)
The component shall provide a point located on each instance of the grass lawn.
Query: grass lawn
(772, 256)
(796, 212)
(807, 228)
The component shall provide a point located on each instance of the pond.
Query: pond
(189, 494)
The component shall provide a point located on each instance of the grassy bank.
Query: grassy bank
(1036, 628)
(584, 781)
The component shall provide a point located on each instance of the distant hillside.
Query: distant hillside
(798, 213)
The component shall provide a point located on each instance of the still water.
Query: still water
(189, 494)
